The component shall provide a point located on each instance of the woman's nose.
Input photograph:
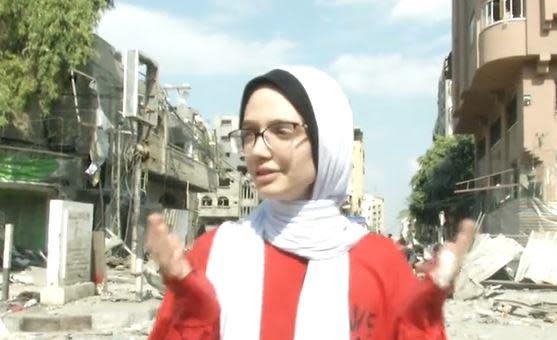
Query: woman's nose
(260, 148)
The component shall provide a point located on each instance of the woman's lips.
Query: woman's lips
(263, 177)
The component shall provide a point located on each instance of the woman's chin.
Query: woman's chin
(271, 191)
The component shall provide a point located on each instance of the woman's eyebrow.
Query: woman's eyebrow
(251, 124)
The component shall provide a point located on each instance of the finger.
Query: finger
(421, 267)
(156, 223)
(465, 236)
(156, 230)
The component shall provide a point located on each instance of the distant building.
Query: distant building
(444, 123)
(373, 208)
(223, 126)
(235, 198)
(236, 195)
(353, 204)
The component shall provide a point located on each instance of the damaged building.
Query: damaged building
(504, 91)
(86, 149)
(236, 196)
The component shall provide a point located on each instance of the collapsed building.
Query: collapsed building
(103, 146)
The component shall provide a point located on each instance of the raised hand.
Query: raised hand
(166, 249)
(450, 257)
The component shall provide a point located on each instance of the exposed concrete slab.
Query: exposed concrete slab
(47, 323)
(59, 295)
(55, 323)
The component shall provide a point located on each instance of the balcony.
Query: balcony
(502, 40)
(224, 212)
(177, 165)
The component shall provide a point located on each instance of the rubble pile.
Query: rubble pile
(506, 291)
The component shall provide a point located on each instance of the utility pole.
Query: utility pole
(7, 261)
(139, 112)
(136, 257)
(117, 230)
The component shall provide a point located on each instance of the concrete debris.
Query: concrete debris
(31, 276)
(112, 241)
(519, 285)
(30, 303)
(116, 262)
(533, 305)
(151, 273)
(534, 263)
(114, 314)
(500, 317)
(488, 255)
(466, 289)
(23, 258)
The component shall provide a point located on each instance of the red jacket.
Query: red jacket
(386, 300)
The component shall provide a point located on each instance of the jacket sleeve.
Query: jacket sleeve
(189, 309)
(417, 305)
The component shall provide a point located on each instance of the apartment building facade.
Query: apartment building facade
(444, 124)
(373, 208)
(236, 196)
(504, 92)
(353, 204)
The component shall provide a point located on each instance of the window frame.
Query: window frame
(512, 103)
(505, 12)
(492, 141)
(223, 201)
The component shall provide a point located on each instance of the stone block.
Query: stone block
(59, 295)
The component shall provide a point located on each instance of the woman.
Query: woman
(296, 268)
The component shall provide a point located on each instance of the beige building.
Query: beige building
(236, 196)
(353, 204)
(373, 208)
(223, 126)
(504, 73)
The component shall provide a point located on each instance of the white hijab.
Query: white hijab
(312, 229)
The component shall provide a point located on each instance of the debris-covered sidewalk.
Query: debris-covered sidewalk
(115, 314)
(503, 314)
(506, 291)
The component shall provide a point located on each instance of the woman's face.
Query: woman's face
(286, 172)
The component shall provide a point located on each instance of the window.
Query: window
(491, 12)
(495, 132)
(224, 181)
(225, 138)
(514, 9)
(223, 202)
(511, 112)
(168, 200)
(226, 122)
(480, 149)
(494, 11)
(206, 201)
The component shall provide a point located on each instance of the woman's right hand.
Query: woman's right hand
(166, 249)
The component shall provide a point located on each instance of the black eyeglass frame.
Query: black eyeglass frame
(261, 133)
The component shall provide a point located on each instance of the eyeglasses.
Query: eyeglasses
(277, 136)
